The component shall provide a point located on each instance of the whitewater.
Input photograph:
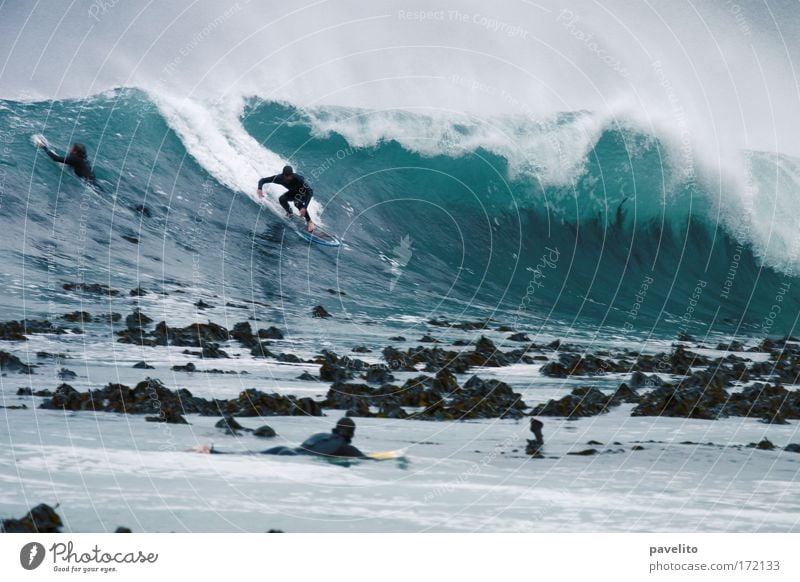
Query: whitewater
(616, 177)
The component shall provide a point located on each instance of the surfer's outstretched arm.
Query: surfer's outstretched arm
(54, 156)
(262, 181)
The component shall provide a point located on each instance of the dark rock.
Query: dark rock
(203, 305)
(307, 377)
(397, 338)
(143, 366)
(391, 410)
(123, 529)
(594, 442)
(637, 448)
(331, 369)
(764, 400)
(585, 452)
(533, 448)
(319, 311)
(65, 374)
(94, 288)
(12, 331)
(136, 337)
(361, 350)
(11, 363)
(764, 445)
(792, 448)
(243, 333)
(212, 350)
(253, 402)
(624, 394)
(685, 337)
(167, 415)
(24, 391)
(290, 358)
(77, 317)
(108, 317)
(519, 337)
(260, 350)
(138, 292)
(143, 210)
(230, 425)
(683, 401)
(17, 330)
(271, 332)
(266, 432)
(427, 339)
(137, 320)
(49, 356)
(130, 239)
(378, 375)
(461, 342)
(190, 367)
(580, 402)
(15, 407)
(351, 397)
(446, 382)
(335, 292)
(733, 346)
(40, 519)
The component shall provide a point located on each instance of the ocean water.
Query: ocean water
(592, 175)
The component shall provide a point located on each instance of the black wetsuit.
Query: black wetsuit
(325, 444)
(297, 189)
(79, 165)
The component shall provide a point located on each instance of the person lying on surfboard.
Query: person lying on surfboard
(324, 444)
(297, 189)
(75, 159)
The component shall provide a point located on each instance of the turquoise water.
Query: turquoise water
(625, 245)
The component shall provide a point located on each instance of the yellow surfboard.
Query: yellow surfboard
(388, 455)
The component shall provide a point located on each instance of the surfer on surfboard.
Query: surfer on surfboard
(297, 189)
(75, 159)
(324, 444)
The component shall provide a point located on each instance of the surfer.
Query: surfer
(76, 159)
(324, 444)
(297, 189)
(327, 444)
(535, 445)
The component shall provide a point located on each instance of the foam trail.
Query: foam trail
(213, 135)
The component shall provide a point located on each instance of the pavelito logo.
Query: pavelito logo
(31, 555)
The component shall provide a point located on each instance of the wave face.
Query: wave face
(582, 227)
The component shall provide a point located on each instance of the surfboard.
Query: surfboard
(317, 236)
(39, 140)
(388, 455)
